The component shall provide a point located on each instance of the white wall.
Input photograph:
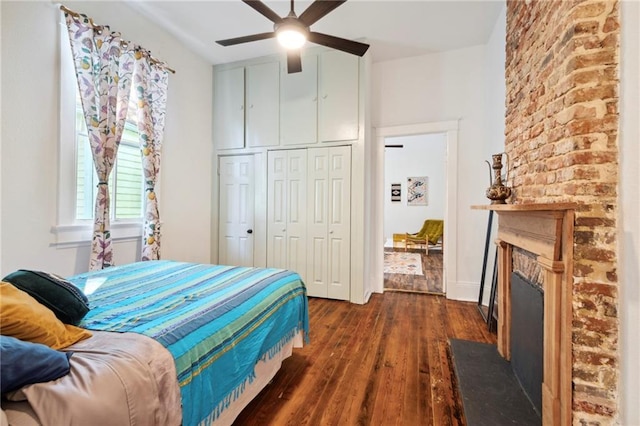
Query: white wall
(421, 155)
(30, 111)
(452, 85)
(629, 236)
(495, 96)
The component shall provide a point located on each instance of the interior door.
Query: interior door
(236, 210)
(297, 211)
(329, 222)
(277, 214)
(339, 226)
(286, 217)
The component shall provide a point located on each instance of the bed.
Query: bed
(173, 343)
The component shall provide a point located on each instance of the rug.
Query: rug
(402, 263)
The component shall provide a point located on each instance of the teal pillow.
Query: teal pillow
(66, 300)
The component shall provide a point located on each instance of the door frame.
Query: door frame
(450, 129)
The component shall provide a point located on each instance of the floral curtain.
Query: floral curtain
(104, 67)
(150, 84)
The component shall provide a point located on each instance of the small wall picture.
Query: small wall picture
(417, 191)
(396, 192)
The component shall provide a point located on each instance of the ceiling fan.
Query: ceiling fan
(292, 31)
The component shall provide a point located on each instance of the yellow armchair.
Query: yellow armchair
(430, 234)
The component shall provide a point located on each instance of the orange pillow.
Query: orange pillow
(24, 318)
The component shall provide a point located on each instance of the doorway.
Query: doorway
(415, 183)
(377, 240)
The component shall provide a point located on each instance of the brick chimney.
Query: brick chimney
(562, 67)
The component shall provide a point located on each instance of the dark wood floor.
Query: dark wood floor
(384, 363)
(429, 282)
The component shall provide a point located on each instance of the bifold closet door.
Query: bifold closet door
(236, 210)
(329, 222)
(287, 204)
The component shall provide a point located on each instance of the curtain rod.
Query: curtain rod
(153, 60)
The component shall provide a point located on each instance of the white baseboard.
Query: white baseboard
(463, 291)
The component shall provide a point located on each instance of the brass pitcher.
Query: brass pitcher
(498, 192)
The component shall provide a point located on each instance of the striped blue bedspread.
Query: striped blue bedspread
(216, 321)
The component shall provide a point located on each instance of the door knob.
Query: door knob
(249, 231)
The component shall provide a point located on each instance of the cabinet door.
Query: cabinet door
(262, 104)
(328, 220)
(286, 216)
(228, 109)
(298, 103)
(339, 96)
(236, 210)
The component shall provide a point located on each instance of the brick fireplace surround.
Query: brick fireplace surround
(561, 134)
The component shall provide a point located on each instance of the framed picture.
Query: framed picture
(396, 192)
(417, 191)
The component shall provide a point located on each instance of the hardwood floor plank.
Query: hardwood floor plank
(363, 370)
(387, 362)
(389, 398)
(412, 394)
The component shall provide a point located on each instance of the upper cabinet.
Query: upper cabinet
(338, 100)
(299, 103)
(228, 108)
(246, 106)
(262, 104)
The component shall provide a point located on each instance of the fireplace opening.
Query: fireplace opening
(527, 325)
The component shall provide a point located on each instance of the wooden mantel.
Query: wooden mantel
(545, 230)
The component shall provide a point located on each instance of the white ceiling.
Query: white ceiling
(393, 28)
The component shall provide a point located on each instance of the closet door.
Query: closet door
(236, 204)
(329, 222)
(286, 216)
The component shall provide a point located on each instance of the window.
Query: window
(125, 182)
(77, 179)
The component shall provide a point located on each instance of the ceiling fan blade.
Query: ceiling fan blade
(264, 10)
(318, 9)
(246, 39)
(349, 46)
(294, 62)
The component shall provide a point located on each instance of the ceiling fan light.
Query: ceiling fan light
(291, 38)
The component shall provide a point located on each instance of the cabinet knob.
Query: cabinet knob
(324, 96)
(314, 99)
(284, 230)
(241, 107)
(249, 231)
(251, 106)
(331, 232)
